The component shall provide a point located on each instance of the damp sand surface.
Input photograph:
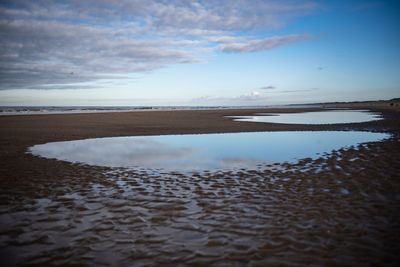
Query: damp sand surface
(338, 210)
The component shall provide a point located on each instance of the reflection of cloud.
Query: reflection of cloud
(44, 41)
(204, 151)
(124, 152)
(232, 163)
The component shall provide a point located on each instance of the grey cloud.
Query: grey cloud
(208, 14)
(227, 39)
(268, 87)
(250, 96)
(65, 86)
(43, 41)
(294, 91)
(226, 15)
(264, 44)
(41, 52)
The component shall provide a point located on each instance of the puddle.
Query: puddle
(317, 117)
(203, 151)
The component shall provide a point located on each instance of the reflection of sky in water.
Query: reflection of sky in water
(203, 151)
(318, 117)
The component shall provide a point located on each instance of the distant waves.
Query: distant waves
(27, 110)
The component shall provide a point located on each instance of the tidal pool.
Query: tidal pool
(203, 151)
(316, 117)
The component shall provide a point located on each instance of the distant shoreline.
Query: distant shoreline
(386, 104)
(45, 110)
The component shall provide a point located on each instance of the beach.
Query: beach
(338, 210)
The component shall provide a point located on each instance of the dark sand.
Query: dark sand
(342, 210)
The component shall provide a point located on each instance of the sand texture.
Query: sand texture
(339, 210)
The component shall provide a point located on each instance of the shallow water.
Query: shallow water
(340, 210)
(317, 117)
(205, 151)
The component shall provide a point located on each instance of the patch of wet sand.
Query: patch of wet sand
(342, 209)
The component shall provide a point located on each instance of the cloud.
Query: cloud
(253, 98)
(250, 96)
(227, 39)
(264, 44)
(39, 52)
(43, 41)
(268, 87)
(210, 100)
(293, 91)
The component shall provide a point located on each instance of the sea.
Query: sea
(37, 110)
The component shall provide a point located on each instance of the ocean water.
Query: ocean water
(35, 110)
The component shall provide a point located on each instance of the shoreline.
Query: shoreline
(392, 104)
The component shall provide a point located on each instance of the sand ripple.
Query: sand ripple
(342, 209)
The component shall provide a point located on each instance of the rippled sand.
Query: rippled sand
(339, 210)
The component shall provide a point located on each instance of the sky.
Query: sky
(197, 53)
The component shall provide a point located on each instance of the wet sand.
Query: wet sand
(338, 210)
